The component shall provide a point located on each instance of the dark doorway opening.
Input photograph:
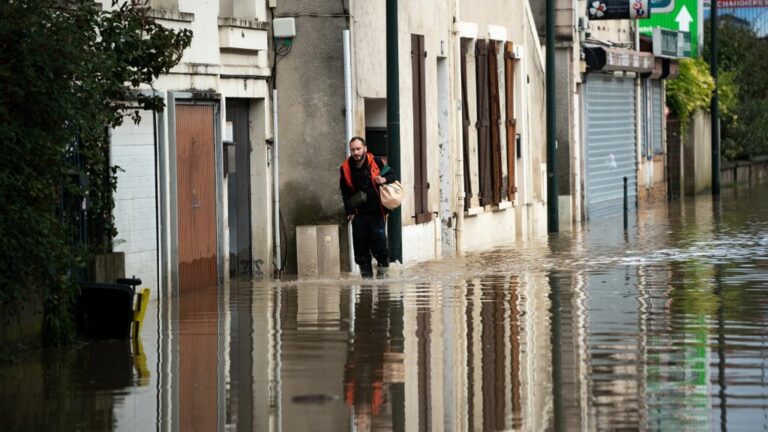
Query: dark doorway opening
(238, 180)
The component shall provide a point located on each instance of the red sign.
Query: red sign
(738, 3)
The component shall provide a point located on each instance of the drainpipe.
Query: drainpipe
(553, 222)
(394, 223)
(348, 127)
(458, 137)
(276, 185)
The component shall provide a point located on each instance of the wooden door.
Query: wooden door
(196, 195)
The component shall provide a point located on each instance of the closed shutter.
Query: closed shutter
(495, 112)
(610, 144)
(483, 124)
(511, 123)
(465, 127)
(421, 185)
(657, 114)
(646, 146)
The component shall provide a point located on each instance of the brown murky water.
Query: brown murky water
(659, 328)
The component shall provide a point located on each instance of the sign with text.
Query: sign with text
(671, 43)
(735, 4)
(618, 9)
(682, 17)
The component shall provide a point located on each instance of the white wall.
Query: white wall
(135, 199)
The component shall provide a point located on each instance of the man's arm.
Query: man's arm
(346, 192)
(390, 175)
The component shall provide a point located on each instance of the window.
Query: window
(420, 179)
(489, 163)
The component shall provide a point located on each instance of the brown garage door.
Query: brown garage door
(195, 170)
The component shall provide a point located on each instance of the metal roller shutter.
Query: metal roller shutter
(658, 116)
(610, 144)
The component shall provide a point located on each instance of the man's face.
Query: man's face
(357, 149)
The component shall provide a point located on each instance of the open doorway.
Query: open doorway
(376, 127)
(238, 171)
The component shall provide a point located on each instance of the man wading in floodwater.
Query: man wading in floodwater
(361, 176)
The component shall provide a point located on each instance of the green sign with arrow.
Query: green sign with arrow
(676, 15)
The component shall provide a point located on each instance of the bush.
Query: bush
(691, 91)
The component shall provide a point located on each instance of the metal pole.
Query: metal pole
(714, 108)
(626, 205)
(553, 222)
(394, 222)
(557, 355)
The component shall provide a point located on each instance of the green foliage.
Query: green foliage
(742, 87)
(691, 91)
(68, 71)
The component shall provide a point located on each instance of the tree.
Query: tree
(742, 60)
(68, 72)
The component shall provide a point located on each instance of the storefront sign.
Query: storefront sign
(619, 59)
(683, 16)
(618, 9)
(671, 44)
(738, 3)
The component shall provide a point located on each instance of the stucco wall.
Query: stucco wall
(310, 85)
(697, 155)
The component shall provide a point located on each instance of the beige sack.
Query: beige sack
(391, 195)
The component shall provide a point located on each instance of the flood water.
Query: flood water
(661, 327)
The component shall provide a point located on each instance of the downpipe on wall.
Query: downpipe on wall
(276, 184)
(348, 128)
(459, 145)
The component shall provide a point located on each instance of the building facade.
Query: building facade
(610, 114)
(472, 136)
(471, 98)
(192, 204)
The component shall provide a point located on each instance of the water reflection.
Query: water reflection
(660, 327)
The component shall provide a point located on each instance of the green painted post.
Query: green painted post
(715, 107)
(394, 222)
(553, 222)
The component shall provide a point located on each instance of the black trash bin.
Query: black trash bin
(105, 311)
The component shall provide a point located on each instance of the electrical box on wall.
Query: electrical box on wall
(518, 51)
(272, 3)
(284, 28)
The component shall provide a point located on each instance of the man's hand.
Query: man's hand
(350, 217)
(380, 180)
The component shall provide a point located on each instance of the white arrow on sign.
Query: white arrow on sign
(684, 19)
